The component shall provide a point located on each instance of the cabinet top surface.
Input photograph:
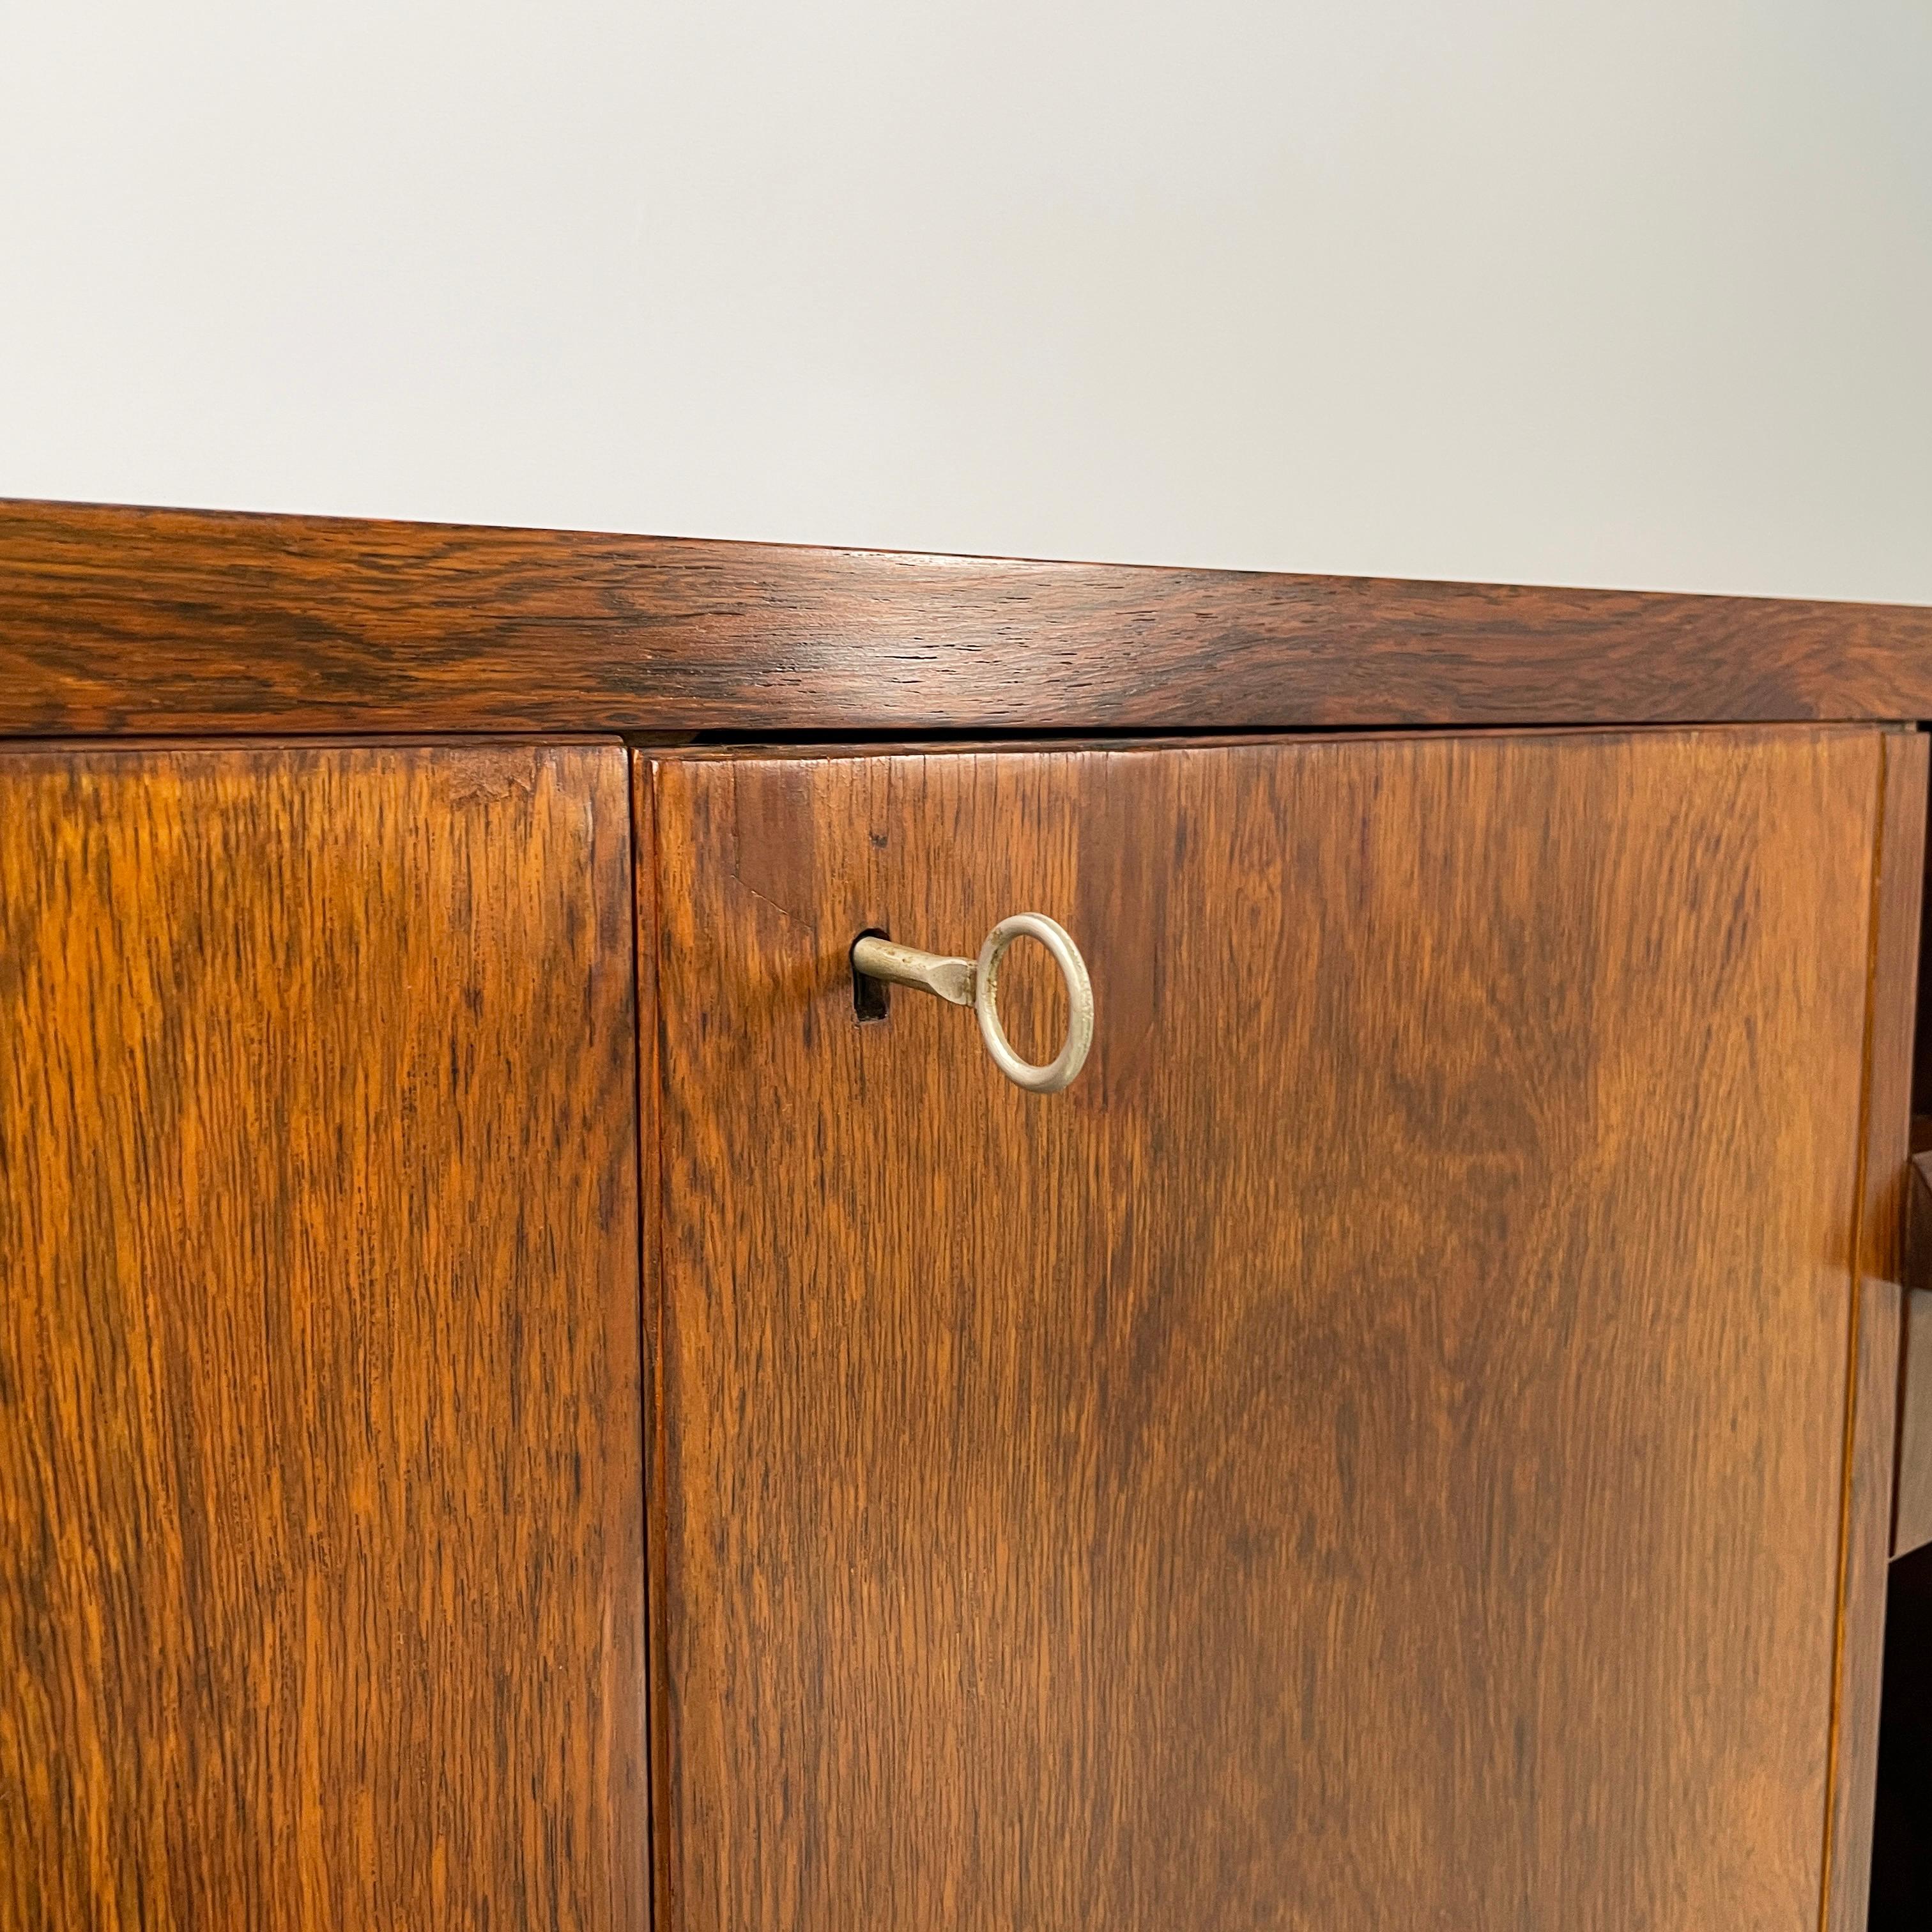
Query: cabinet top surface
(117, 621)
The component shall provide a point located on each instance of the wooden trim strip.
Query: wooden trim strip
(119, 620)
(1872, 1416)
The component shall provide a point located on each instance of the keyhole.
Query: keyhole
(871, 998)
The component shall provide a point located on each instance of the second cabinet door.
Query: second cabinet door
(1371, 1452)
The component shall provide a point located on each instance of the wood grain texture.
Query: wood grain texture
(115, 620)
(1912, 1528)
(1872, 1380)
(1372, 1452)
(321, 1573)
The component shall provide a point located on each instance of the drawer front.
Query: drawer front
(1372, 1449)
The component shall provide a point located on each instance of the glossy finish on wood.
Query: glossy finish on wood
(166, 621)
(321, 1572)
(1873, 1332)
(1373, 1450)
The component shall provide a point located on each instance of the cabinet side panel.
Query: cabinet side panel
(321, 1564)
(1876, 1343)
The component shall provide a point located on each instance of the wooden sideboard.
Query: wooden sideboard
(533, 1392)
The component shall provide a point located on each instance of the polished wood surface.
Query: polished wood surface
(321, 1573)
(1373, 1452)
(1897, 876)
(115, 620)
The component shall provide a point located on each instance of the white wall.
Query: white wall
(1633, 292)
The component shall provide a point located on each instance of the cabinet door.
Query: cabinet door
(1372, 1452)
(321, 1575)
